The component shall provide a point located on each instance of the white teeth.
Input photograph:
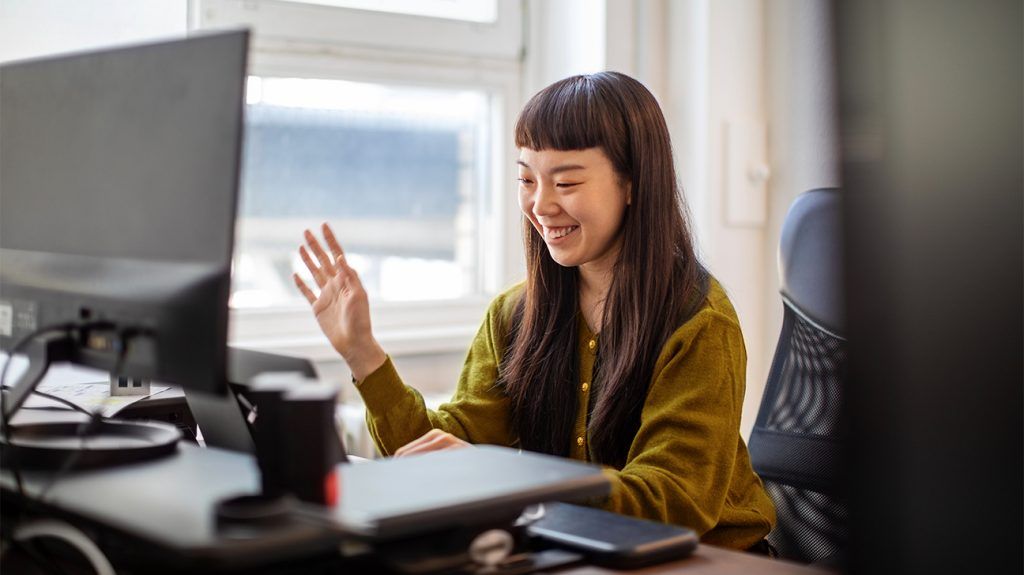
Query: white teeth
(555, 233)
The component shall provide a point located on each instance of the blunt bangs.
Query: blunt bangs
(574, 114)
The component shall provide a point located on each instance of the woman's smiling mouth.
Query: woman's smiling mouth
(556, 233)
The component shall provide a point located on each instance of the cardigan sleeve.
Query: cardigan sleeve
(687, 458)
(477, 413)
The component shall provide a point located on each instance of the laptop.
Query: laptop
(223, 420)
(400, 497)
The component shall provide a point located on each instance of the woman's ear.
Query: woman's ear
(629, 193)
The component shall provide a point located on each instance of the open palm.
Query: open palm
(342, 308)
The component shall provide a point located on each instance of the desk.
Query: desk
(709, 560)
(168, 406)
(165, 505)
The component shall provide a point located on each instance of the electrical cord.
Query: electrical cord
(83, 430)
(70, 535)
(55, 529)
(18, 347)
(5, 418)
(58, 399)
(44, 563)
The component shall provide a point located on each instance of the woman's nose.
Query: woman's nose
(544, 202)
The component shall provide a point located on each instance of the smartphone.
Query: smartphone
(612, 539)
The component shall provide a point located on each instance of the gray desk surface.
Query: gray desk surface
(147, 501)
(169, 501)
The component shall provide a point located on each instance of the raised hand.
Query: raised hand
(433, 440)
(342, 308)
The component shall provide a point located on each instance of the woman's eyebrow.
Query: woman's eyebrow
(556, 169)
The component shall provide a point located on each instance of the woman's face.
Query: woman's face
(576, 201)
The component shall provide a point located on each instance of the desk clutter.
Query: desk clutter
(478, 510)
(292, 496)
(440, 512)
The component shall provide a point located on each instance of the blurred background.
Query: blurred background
(392, 120)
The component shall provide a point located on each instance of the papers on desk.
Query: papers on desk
(92, 397)
(86, 388)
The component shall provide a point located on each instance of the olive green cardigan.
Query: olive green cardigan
(687, 464)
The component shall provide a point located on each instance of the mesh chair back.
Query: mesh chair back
(795, 446)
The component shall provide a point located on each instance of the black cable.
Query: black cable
(83, 431)
(5, 418)
(124, 337)
(94, 417)
(65, 327)
(56, 398)
(5, 427)
(39, 560)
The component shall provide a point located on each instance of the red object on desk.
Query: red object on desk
(332, 488)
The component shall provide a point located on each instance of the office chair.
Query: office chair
(795, 445)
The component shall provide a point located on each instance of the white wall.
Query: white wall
(803, 136)
(38, 27)
(760, 63)
(563, 38)
(716, 76)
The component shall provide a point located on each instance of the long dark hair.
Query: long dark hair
(657, 280)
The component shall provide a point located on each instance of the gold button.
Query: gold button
(592, 345)
(585, 387)
(579, 441)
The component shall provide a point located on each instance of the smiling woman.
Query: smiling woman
(575, 200)
(619, 348)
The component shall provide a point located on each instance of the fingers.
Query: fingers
(325, 267)
(332, 242)
(415, 442)
(347, 271)
(318, 274)
(321, 255)
(310, 296)
(433, 445)
(433, 440)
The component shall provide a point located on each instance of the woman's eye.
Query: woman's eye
(524, 181)
(566, 184)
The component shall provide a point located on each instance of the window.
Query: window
(469, 10)
(397, 171)
(392, 128)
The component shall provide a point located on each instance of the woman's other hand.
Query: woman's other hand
(342, 308)
(433, 440)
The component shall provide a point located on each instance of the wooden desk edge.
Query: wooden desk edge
(710, 560)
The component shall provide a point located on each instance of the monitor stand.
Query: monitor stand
(54, 445)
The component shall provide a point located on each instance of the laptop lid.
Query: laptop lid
(403, 496)
(222, 419)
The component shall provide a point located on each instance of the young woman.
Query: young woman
(618, 348)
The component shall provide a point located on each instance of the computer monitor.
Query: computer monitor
(119, 175)
(933, 145)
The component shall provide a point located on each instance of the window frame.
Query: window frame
(382, 31)
(280, 47)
